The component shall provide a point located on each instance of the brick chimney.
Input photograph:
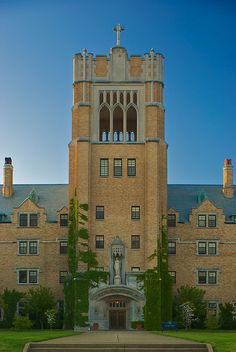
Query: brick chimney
(228, 187)
(7, 189)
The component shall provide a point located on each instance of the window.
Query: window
(201, 220)
(131, 167)
(207, 277)
(27, 276)
(62, 276)
(207, 248)
(26, 247)
(135, 268)
(99, 268)
(206, 220)
(117, 167)
(21, 307)
(171, 247)
(135, 241)
(63, 247)
(28, 220)
(99, 212)
(99, 241)
(104, 167)
(135, 212)
(173, 276)
(211, 220)
(171, 220)
(63, 220)
(212, 308)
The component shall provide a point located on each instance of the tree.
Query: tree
(187, 314)
(40, 300)
(195, 298)
(226, 319)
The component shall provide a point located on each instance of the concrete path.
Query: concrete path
(118, 337)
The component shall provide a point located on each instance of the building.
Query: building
(117, 164)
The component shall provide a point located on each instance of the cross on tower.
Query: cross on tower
(118, 29)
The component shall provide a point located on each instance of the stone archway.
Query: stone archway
(115, 307)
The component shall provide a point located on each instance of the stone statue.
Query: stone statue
(117, 266)
(117, 279)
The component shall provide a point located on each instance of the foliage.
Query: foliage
(14, 341)
(9, 299)
(22, 323)
(158, 285)
(77, 284)
(40, 300)
(195, 297)
(187, 314)
(221, 341)
(51, 317)
(226, 319)
(137, 324)
(152, 308)
(211, 322)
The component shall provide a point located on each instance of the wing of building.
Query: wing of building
(118, 166)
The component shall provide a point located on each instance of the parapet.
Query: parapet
(118, 67)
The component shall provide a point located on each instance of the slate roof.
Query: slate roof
(51, 197)
(185, 197)
(180, 197)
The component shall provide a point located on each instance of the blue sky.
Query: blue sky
(38, 40)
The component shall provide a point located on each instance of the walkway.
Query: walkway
(118, 337)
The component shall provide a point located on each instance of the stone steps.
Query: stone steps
(45, 347)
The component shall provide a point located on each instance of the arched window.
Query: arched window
(104, 127)
(131, 134)
(121, 98)
(118, 124)
(108, 97)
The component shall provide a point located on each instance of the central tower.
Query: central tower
(118, 155)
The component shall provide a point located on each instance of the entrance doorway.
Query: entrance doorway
(117, 319)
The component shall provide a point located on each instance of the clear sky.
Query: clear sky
(38, 39)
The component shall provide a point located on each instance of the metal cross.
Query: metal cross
(118, 29)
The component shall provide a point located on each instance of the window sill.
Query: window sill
(28, 255)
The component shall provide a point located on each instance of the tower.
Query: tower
(118, 158)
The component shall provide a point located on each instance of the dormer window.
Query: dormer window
(206, 220)
(63, 220)
(28, 219)
(171, 220)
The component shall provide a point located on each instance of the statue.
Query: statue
(117, 264)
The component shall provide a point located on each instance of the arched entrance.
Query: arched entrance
(115, 307)
(117, 314)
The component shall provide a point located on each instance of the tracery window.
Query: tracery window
(118, 116)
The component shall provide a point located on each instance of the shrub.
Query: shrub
(10, 299)
(226, 316)
(211, 322)
(22, 323)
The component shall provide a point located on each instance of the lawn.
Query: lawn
(221, 341)
(14, 341)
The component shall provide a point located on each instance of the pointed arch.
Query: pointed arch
(118, 124)
(131, 128)
(104, 124)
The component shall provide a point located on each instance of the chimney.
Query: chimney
(228, 187)
(7, 189)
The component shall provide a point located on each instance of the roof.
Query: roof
(185, 197)
(180, 197)
(51, 197)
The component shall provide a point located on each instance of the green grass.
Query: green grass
(14, 341)
(221, 341)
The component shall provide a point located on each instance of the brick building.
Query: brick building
(117, 164)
